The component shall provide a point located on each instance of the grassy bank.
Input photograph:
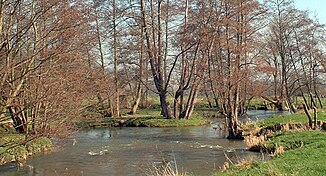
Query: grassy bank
(304, 153)
(14, 147)
(296, 152)
(145, 118)
(298, 118)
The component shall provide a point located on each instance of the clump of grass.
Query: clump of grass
(39, 145)
(254, 142)
(167, 170)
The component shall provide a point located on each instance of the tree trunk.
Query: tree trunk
(116, 81)
(175, 103)
(137, 100)
(1, 17)
(319, 99)
(165, 107)
(277, 103)
(20, 124)
(308, 114)
(208, 99)
(315, 118)
(155, 59)
(234, 132)
(140, 75)
(210, 65)
(190, 104)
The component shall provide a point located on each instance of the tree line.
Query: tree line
(59, 57)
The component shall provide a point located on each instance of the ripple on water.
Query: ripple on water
(130, 151)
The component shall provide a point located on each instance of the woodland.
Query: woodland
(58, 58)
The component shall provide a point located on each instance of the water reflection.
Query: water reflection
(261, 114)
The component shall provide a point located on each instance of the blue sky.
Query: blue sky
(316, 8)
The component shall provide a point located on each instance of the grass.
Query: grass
(14, 147)
(296, 152)
(151, 118)
(304, 154)
(292, 140)
(257, 102)
(299, 118)
(161, 122)
(294, 118)
(146, 118)
(166, 170)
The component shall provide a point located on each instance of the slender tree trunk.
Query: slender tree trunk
(140, 75)
(175, 103)
(190, 104)
(207, 97)
(2, 5)
(115, 46)
(210, 67)
(137, 99)
(315, 118)
(308, 114)
(98, 35)
(165, 61)
(102, 110)
(319, 99)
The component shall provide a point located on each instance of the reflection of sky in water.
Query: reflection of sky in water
(259, 114)
(94, 133)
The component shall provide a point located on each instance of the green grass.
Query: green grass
(305, 156)
(7, 139)
(14, 147)
(161, 122)
(293, 118)
(146, 118)
(256, 102)
(293, 140)
(151, 118)
(303, 151)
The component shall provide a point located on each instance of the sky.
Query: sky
(315, 7)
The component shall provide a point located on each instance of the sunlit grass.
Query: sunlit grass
(297, 152)
(293, 118)
(304, 155)
(14, 147)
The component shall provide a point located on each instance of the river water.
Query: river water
(133, 151)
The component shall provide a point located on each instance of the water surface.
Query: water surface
(135, 151)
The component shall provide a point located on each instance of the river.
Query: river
(131, 151)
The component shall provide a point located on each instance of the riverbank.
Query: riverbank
(14, 147)
(144, 118)
(295, 149)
